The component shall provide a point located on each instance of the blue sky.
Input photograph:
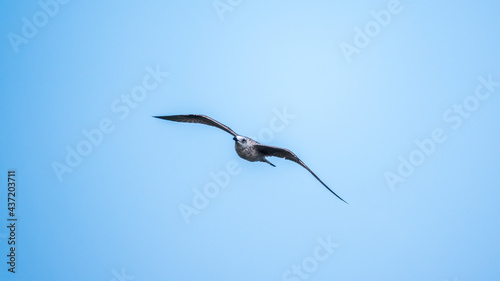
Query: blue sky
(393, 104)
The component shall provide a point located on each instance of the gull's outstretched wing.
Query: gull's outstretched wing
(268, 150)
(201, 119)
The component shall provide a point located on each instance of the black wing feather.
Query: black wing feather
(289, 155)
(200, 119)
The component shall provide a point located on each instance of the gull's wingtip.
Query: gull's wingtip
(340, 198)
(336, 195)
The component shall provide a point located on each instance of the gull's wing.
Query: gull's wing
(201, 119)
(268, 150)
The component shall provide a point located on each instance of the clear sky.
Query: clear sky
(393, 104)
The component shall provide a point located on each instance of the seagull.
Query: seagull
(246, 147)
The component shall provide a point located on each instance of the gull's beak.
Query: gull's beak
(235, 139)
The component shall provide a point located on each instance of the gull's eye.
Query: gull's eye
(243, 140)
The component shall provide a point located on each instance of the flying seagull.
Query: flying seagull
(246, 147)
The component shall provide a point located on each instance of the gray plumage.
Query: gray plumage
(246, 147)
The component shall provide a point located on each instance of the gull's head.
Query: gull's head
(241, 141)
